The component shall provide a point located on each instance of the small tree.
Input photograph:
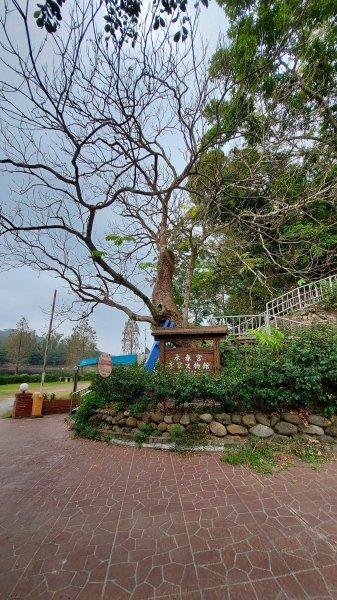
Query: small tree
(20, 344)
(81, 343)
(130, 340)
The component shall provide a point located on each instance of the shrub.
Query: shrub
(301, 374)
(125, 385)
(83, 420)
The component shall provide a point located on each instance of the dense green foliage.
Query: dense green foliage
(83, 422)
(302, 373)
(275, 189)
(125, 385)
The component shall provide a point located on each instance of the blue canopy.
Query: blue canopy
(126, 359)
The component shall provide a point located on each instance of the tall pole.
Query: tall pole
(47, 343)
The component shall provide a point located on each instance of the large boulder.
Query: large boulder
(262, 419)
(223, 418)
(274, 419)
(249, 420)
(218, 429)
(185, 420)
(291, 418)
(237, 429)
(236, 419)
(131, 422)
(331, 430)
(284, 428)
(157, 417)
(313, 430)
(319, 421)
(175, 427)
(206, 417)
(261, 431)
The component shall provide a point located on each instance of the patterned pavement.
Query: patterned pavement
(87, 521)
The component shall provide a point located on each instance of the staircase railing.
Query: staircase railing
(301, 297)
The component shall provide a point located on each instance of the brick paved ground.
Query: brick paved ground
(85, 520)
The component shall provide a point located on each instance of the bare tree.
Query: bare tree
(130, 339)
(101, 141)
(81, 343)
(20, 345)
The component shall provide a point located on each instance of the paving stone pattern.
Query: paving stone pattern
(87, 521)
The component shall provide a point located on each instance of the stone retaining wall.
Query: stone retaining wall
(220, 426)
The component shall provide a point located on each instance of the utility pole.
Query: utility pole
(47, 343)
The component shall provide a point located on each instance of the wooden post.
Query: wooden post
(216, 352)
(162, 352)
(47, 343)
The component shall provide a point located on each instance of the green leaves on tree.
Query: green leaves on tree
(123, 16)
(118, 240)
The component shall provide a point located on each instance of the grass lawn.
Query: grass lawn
(62, 390)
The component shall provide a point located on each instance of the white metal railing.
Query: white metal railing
(242, 324)
(296, 299)
(78, 393)
(301, 297)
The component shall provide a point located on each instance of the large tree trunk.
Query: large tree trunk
(163, 297)
(188, 285)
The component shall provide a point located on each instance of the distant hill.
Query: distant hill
(4, 333)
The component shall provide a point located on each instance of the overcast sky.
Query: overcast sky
(28, 293)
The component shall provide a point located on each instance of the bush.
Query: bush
(301, 374)
(83, 420)
(125, 385)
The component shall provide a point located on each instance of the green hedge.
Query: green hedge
(36, 378)
(303, 373)
(49, 377)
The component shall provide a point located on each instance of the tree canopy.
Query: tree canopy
(102, 141)
(159, 184)
(276, 187)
